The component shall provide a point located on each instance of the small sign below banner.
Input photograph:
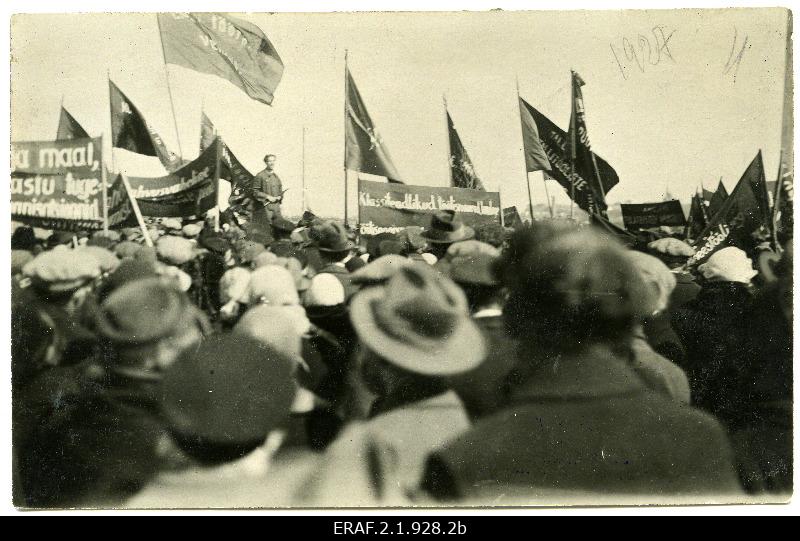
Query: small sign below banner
(390, 207)
(648, 215)
(511, 218)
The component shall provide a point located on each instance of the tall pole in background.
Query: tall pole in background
(304, 169)
(522, 131)
(169, 90)
(346, 91)
(572, 122)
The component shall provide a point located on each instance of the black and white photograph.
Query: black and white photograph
(426, 259)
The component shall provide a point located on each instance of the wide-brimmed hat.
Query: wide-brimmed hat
(231, 390)
(420, 322)
(446, 227)
(331, 237)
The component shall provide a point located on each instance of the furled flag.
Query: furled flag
(698, 220)
(717, 200)
(743, 213)
(231, 169)
(224, 46)
(69, 128)
(462, 172)
(130, 131)
(546, 149)
(580, 149)
(365, 151)
(782, 217)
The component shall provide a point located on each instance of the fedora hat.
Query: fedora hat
(419, 321)
(331, 237)
(446, 228)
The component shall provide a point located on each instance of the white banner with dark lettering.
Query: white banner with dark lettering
(390, 207)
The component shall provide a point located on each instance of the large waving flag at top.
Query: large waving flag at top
(224, 46)
(69, 128)
(364, 149)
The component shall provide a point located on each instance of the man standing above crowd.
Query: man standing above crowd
(268, 191)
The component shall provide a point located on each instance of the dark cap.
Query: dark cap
(232, 390)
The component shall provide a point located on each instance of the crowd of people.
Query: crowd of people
(241, 365)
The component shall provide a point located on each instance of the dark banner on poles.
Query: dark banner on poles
(189, 191)
(58, 184)
(389, 207)
(647, 215)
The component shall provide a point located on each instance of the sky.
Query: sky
(685, 114)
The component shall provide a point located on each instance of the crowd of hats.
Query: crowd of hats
(254, 295)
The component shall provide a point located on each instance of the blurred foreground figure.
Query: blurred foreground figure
(579, 420)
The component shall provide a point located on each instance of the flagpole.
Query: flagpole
(111, 121)
(137, 211)
(169, 90)
(522, 132)
(216, 177)
(304, 169)
(104, 181)
(345, 138)
(447, 135)
(776, 198)
(572, 121)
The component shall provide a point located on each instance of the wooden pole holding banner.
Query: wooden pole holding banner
(502, 214)
(136, 211)
(104, 182)
(218, 159)
(169, 90)
(346, 97)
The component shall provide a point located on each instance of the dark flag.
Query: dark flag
(462, 172)
(69, 128)
(224, 46)
(130, 131)
(231, 169)
(745, 211)
(552, 141)
(580, 149)
(698, 219)
(717, 200)
(364, 148)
